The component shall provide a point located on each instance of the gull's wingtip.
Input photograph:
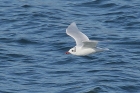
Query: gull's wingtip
(72, 24)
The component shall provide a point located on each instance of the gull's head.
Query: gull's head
(72, 51)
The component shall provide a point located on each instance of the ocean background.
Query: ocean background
(33, 42)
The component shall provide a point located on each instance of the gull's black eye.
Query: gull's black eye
(74, 50)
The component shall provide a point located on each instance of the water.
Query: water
(33, 43)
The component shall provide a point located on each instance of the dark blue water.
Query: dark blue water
(33, 43)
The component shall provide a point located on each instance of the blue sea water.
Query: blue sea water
(33, 43)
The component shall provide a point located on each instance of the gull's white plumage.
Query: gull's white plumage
(74, 32)
(84, 46)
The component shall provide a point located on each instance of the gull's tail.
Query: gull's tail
(98, 49)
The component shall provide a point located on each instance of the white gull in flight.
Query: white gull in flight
(84, 46)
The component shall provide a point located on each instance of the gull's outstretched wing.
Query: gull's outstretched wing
(90, 44)
(75, 33)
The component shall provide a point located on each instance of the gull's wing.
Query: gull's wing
(75, 33)
(90, 44)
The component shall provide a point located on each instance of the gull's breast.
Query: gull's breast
(85, 51)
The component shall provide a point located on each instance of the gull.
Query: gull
(84, 46)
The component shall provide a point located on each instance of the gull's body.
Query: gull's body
(84, 46)
(81, 51)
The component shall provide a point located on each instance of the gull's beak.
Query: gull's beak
(67, 52)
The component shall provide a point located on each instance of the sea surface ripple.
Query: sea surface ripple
(33, 43)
